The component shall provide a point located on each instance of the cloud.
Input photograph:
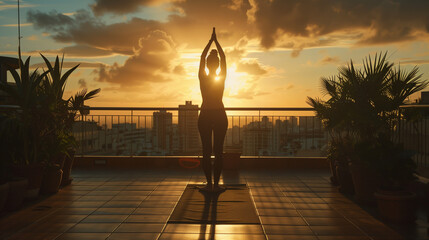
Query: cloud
(152, 62)
(381, 21)
(329, 60)
(80, 51)
(5, 6)
(247, 93)
(70, 64)
(415, 62)
(84, 29)
(82, 83)
(251, 67)
(101, 7)
(179, 69)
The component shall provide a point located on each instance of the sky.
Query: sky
(145, 53)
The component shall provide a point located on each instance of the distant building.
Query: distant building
(258, 138)
(162, 131)
(190, 142)
(425, 97)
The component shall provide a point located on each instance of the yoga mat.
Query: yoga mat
(233, 206)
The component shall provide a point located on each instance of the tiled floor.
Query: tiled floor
(137, 204)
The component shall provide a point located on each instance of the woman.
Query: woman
(212, 119)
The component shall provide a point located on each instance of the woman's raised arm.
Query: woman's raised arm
(222, 59)
(202, 72)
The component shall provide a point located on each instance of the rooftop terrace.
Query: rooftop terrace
(136, 204)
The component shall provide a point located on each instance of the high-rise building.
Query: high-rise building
(190, 142)
(258, 138)
(162, 131)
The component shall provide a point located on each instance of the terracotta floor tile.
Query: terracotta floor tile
(306, 200)
(274, 212)
(158, 204)
(48, 227)
(83, 236)
(133, 236)
(291, 237)
(147, 219)
(54, 218)
(104, 218)
(196, 236)
(163, 198)
(122, 204)
(282, 205)
(75, 211)
(318, 213)
(95, 198)
(294, 221)
(337, 230)
(153, 211)
(288, 230)
(139, 228)
(301, 194)
(312, 206)
(129, 198)
(86, 204)
(322, 221)
(94, 227)
(344, 238)
(108, 211)
(34, 236)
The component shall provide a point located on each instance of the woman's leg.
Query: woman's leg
(205, 129)
(221, 125)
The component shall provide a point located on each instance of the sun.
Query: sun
(234, 80)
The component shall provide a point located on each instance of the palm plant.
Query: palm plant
(25, 94)
(364, 103)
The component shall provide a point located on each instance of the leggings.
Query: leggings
(212, 121)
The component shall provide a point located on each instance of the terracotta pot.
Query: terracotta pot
(68, 164)
(60, 160)
(345, 180)
(332, 167)
(34, 174)
(16, 193)
(51, 179)
(4, 190)
(365, 182)
(396, 206)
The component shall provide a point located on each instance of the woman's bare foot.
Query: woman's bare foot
(207, 188)
(218, 189)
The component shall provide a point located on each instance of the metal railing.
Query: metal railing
(151, 131)
(414, 133)
(157, 131)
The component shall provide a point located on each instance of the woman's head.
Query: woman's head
(213, 61)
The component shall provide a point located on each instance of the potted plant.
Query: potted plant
(60, 143)
(75, 105)
(365, 102)
(396, 167)
(338, 154)
(30, 125)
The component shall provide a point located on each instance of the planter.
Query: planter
(4, 190)
(332, 167)
(396, 206)
(51, 179)
(231, 161)
(365, 182)
(34, 173)
(68, 164)
(345, 180)
(16, 193)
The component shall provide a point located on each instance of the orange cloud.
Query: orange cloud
(152, 62)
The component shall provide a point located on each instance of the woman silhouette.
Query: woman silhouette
(212, 118)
